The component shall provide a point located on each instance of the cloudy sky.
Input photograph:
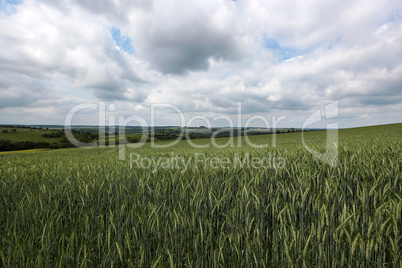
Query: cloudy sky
(277, 58)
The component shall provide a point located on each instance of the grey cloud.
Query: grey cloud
(19, 101)
(252, 103)
(290, 104)
(184, 37)
(380, 100)
(117, 80)
(189, 50)
(116, 8)
(20, 91)
(127, 71)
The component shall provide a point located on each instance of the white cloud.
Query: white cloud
(274, 97)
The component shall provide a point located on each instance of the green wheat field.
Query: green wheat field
(83, 207)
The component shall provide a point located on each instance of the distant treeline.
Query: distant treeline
(63, 142)
(85, 137)
(173, 134)
(7, 145)
(26, 127)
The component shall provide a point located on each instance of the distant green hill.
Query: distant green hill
(26, 134)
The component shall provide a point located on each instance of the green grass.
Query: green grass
(25, 134)
(84, 207)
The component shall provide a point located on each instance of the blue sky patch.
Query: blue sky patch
(122, 41)
(282, 53)
(8, 6)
